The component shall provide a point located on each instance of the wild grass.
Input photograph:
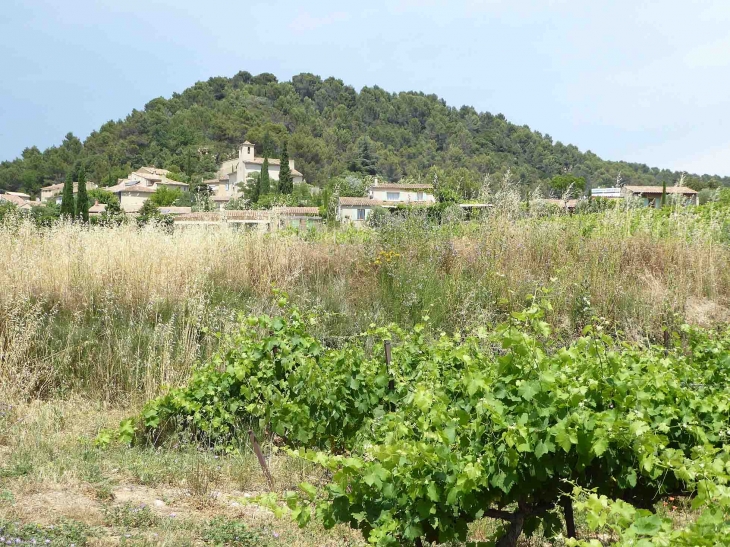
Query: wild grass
(119, 313)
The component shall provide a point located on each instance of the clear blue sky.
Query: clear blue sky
(640, 81)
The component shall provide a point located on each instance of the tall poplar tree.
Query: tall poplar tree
(68, 208)
(664, 192)
(286, 181)
(82, 198)
(264, 181)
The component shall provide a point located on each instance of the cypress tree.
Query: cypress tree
(67, 198)
(286, 182)
(264, 182)
(82, 198)
(664, 193)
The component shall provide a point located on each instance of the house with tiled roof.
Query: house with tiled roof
(140, 184)
(55, 191)
(19, 199)
(97, 209)
(232, 173)
(356, 210)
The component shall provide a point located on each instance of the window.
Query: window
(249, 150)
(228, 186)
(393, 196)
(361, 214)
(419, 196)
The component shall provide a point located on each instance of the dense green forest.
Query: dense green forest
(330, 129)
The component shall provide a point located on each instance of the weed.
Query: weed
(129, 515)
(222, 531)
(7, 497)
(65, 533)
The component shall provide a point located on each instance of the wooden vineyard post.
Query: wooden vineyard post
(569, 519)
(260, 456)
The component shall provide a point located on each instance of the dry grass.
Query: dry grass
(121, 312)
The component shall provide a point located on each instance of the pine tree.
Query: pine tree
(82, 198)
(366, 159)
(286, 182)
(68, 208)
(267, 147)
(264, 181)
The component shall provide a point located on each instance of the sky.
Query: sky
(643, 81)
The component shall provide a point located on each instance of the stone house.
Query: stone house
(139, 185)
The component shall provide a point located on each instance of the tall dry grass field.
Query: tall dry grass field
(120, 312)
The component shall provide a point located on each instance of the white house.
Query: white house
(420, 194)
(235, 171)
(389, 195)
(606, 193)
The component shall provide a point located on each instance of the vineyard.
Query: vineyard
(519, 379)
(452, 429)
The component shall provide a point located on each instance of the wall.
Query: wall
(405, 195)
(48, 194)
(131, 202)
(348, 213)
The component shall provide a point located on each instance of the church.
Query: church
(235, 171)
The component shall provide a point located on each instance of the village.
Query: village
(234, 175)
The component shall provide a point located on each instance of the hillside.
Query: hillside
(330, 127)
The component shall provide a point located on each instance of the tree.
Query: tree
(264, 181)
(286, 181)
(252, 187)
(68, 207)
(560, 184)
(150, 212)
(664, 192)
(164, 196)
(267, 146)
(103, 196)
(365, 158)
(82, 198)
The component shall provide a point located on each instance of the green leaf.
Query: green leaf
(543, 447)
(600, 445)
(433, 492)
(648, 526)
(529, 389)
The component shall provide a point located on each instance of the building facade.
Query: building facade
(139, 185)
(356, 210)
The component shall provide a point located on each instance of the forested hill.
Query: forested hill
(329, 128)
